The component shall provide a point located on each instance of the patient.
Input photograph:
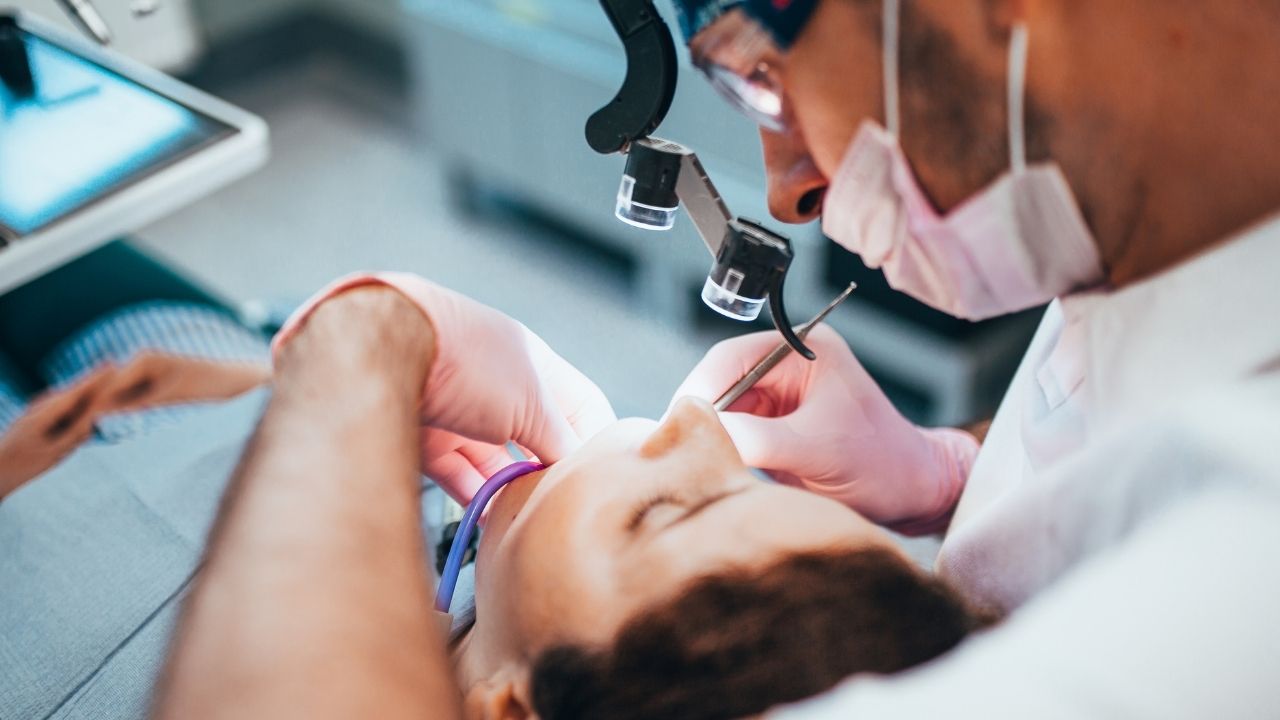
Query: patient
(648, 574)
(651, 575)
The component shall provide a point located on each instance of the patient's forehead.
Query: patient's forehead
(628, 434)
(624, 431)
(614, 442)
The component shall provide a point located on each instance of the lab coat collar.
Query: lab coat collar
(1212, 319)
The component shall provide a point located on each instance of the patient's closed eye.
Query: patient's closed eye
(684, 507)
(642, 510)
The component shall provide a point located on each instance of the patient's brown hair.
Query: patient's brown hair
(736, 644)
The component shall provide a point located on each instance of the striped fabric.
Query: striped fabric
(184, 329)
(11, 401)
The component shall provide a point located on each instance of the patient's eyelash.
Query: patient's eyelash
(653, 501)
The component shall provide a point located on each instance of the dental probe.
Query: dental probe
(775, 356)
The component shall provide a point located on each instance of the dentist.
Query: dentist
(1119, 162)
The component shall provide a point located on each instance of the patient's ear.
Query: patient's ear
(502, 697)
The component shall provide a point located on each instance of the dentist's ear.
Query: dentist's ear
(502, 697)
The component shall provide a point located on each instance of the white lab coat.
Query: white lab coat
(1125, 508)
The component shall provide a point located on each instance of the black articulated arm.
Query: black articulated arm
(750, 261)
(650, 84)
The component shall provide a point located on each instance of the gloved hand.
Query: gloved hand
(492, 381)
(827, 427)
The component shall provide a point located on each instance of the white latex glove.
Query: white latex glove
(492, 382)
(827, 427)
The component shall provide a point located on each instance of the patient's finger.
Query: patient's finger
(152, 379)
(71, 411)
(51, 428)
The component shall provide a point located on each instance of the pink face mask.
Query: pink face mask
(1018, 243)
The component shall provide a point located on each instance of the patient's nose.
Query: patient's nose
(689, 420)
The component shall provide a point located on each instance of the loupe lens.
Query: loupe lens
(729, 303)
(640, 215)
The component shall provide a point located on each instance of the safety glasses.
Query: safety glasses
(743, 64)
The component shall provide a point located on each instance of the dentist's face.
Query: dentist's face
(569, 554)
(952, 80)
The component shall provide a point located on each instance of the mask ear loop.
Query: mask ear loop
(889, 64)
(1017, 94)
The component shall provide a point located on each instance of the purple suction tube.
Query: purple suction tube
(453, 565)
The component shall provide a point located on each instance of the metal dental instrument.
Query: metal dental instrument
(775, 356)
(88, 18)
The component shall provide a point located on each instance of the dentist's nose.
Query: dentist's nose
(796, 188)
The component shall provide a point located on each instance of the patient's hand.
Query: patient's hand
(51, 428)
(57, 423)
(152, 379)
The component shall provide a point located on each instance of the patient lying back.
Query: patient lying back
(652, 575)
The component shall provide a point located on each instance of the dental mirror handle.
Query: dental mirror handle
(777, 355)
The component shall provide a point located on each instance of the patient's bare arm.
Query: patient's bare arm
(315, 599)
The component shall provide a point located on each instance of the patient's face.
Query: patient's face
(569, 554)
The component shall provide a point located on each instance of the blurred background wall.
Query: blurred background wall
(445, 137)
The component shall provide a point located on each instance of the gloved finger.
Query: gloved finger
(763, 442)
(527, 453)
(726, 362)
(487, 459)
(455, 474)
(750, 402)
(458, 464)
(579, 400)
(550, 438)
(547, 431)
(586, 408)
(762, 402)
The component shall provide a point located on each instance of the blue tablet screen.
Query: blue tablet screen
(72, 131)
